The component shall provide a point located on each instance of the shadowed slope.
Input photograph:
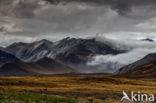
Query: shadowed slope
(147, 59)
(44, 66)
(147, 70)
(7, 58)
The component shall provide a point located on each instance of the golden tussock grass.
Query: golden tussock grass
(92, 87)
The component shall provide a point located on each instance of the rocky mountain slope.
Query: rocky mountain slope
(29, 51)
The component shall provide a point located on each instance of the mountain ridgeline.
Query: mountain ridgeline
(69, 51)
(69, 55)
(29, 51)
(63, 49)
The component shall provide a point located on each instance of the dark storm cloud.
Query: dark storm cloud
(76, 17)
(121, 6)
(124, 20)
(18, 8)
(25, 8)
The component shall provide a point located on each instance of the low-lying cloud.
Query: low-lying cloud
(136, 50)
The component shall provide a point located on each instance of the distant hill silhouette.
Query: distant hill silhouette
(144, 71)
(41, 67)
(7, 58)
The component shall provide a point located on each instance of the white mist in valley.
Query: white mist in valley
(135, 50)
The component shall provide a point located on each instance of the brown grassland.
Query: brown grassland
(98, 88)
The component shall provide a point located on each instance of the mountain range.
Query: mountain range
(69, 55)
(69, 51)
(64, 49)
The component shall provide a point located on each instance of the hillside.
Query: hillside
(7, 58)
(44, 66)
(147, 59)
(146, 71)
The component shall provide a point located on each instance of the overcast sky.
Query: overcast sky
(28, 20)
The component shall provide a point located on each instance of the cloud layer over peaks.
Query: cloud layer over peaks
(31, 18)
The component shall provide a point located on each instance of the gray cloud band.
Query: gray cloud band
(35, 17)
(121, 6)
(25, 8)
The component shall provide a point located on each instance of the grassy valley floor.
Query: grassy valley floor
(71, 89)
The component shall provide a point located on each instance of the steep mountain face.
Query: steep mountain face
(147, 59)
(7, 58)
(78, 51)
(146, 70)
(41, 67)
(26, 51)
